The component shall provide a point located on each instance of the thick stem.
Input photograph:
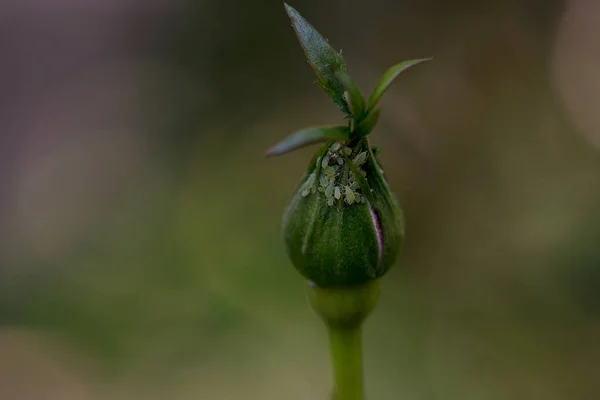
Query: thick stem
(346, 358)
(343, 309)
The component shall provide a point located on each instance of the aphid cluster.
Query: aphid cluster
(336, 180)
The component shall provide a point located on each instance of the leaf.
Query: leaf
(322, 58)
(309, 136)
(388, 77)
(354, 98)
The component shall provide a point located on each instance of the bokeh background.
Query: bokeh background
(140, 249)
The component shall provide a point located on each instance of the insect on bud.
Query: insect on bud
(343, 225)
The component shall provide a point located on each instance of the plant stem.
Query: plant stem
(346, 358)
(344, 309)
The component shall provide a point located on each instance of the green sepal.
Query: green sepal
(388, 78)
(366, 125)
(322, 58)
(308, 136)
(353, 95)
(388, 210)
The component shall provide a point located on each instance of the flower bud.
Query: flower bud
(343, 225)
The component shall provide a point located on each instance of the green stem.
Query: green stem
(343, 309)
(346, 358)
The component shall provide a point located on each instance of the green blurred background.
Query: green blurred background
(140, 249)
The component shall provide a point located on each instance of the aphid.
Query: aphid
(360, 158)
(310, 181)
(337, 193)
(347, 151)
(340, 160)
(325, 162)
(330, 201)
(329, 190)
(309, 186)
(329, 171)
(335, 147)
(350, 197)
(323, 180)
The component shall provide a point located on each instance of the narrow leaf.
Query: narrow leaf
(309, 136)
(322, 58)
(388, 77)
(354, 98)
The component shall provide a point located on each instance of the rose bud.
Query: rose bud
(343, 225)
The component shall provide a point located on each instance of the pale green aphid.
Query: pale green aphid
(330, 171)
(335, 147)
(352, 182)
(310, 182)
(329, 190)
(347, 151)
(347, 98)
(325, 162)
(337, 193)
(360, 159)
(309, 186)
(350, 196)
(323, 180)
(330, 201)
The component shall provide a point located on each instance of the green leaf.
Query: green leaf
(353, 96)
(309, 136)
(323, 59)
(388, 77)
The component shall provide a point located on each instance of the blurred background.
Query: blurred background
(140, 249)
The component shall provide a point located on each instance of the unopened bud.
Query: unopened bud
(343, 225)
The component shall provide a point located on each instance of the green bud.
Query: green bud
(343, 225)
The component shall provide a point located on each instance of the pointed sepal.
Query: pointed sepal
(322, 58)
(368, 123)
(388, 78)
(308, 136)
(352, 95)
